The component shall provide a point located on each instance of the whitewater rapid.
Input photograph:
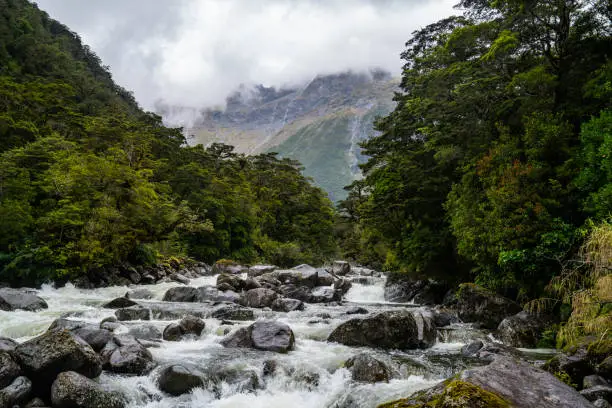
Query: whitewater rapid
(312, 376)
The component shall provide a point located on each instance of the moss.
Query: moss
(600, 349)
(226, 262)
(564, 377)
(456, 394)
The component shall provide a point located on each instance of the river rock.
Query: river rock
(9, 369)
(94, 336)
(287, 305)
(268, 280)
(341, 286)
(324, 278)
(16, 393)
(302, 275)
(356, 310)
(505, 382)
(302, 293)
(400, 287)
(35, 403)
(602, 403)
(212, 294)
(262, 335)
(228, 267)
(140, 294)
(575, 366)
(24, 299)
(593, 380)
(470, 350)
(7, 344)
(341, 268)
(366, 368)
(477, 304)
(44, 357)
(258, 298)
(322, 294)
(227, 281)
(118, 303)
(241, 381)
(182, 294)
(179, 379)
(145, 332)
(130, 359)
(258, 270)
(522, 329)
(72, 390)
(232, 312)
(177, 277)
(172, 332)
(387, 330)
(251, 283)
(133, 313)
(598, 392)
(187, 326)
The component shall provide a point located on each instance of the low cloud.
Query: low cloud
(195, 52)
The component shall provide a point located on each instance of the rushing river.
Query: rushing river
(311, 376)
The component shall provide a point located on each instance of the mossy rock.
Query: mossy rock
(456, 394)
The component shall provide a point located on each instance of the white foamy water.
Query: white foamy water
(311, 376)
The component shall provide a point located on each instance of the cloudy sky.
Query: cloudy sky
(195, 52)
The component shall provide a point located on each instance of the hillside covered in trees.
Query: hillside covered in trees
(89, 180)
(496, 162)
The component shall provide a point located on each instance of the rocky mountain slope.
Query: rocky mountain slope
(319, 123)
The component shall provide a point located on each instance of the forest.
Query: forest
(88, 179)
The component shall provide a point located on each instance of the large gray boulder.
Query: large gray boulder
(365, 368)
(24, 299)
(387, 330)
(212, 294)
(182, 294)
(323, 294)
(258, 298)
(145, 332)
(92, 334)
(258, 270)
(72, 390)
(598, 392)
(44, 357)
(522, 329)
(7, 344)
(341, 268)
(476, 304)
(262, 335)
(9, 369)
(16, 393)
(133, 313)
(231, 282)
(232, 312)
(177, 379)
(400, 287)
(504, 383)
(287, 305)
(187, 326)
(118, 303)
(303, 293)
(302, 275)
(131, 358)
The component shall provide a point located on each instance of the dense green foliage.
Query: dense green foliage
(498, 150)
(88, 180)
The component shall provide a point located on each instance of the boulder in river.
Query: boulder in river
(140, 294)
(231, 282)
(130, 359)
(133, 313)
(188, 325)
(228, 267)
(291, 291)
(145, 332)
(212, 294)
(302, 275)
(341, 268)
(9, 369)
(72, 390)
(16, 393)
(387, 330)
(522, 329)
(182, 294)
(477, 304)
(366, 368)
(44, 357)
(262, 335)
(323, 294)
(504, 383)
(258, 298)
(7, 344)
(118, 303)
(257, 270)
(177, 379)
(400, 287)
(287, 305)
(23, 299)
(232, 312)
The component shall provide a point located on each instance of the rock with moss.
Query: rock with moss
(505, 383)
(476, 304)
(72, 390)
(523, 329)
(365, 368)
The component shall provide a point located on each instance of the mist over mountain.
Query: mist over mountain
(319, 123)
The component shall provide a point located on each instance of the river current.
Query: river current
(312, 375)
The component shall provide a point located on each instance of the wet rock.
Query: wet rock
(491, 351)
(175, 311)
(240, 380)
(182, 294)
(230, 282)
(270, 367)
(443, 318)
(72, 390)
(119, 303)
(302, 293)
(476, 304)
(36, 403)
(593, 380)
(324, 315)
(134, 276)
(602, 403)
(342, 286)
(387, 330)
(505, 382)
(262, 335)
(9, 369)
(258, 270)
(133, 313)
(232, 312)
(140, 294)
(178, 379)
(303, 275)
(576, 366)
(228, 267)
(598, 392)
(177, 277)
(470, 350)
(324, 278)
(400, 287)
(269, 281)
(187, 326)
(44, 357)
(110, 324)
(16, 393)
(522, 329)
(95, 337)
(341, 268)
(7, 344)
(258, 298)
(23, 299)
(145, 332)
(366, 368)
(68, 324)
(209, 293)
(130, 359)
(287, 305)
(251, 283)
(322, 294)
(605, 367)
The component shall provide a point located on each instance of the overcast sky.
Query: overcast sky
(195, 52)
